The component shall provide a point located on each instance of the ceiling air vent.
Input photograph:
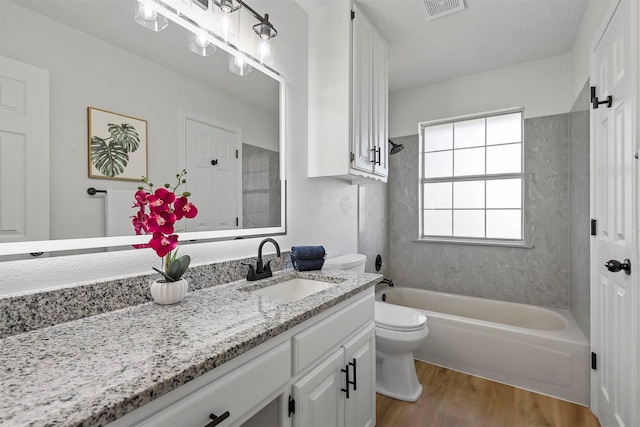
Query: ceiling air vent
(440, 8)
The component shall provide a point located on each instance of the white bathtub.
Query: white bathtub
(534, 348)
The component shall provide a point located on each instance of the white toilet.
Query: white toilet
(352, 262)
(399, 331)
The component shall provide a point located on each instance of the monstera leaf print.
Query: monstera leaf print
(109, 157)
(126, 135)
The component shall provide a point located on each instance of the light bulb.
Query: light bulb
(146, 10)
(201, 39)
(226, 23)
(265, 50)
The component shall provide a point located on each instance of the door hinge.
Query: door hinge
(353, 14)
(594, 363)
(236, 154)
(237, 221)
(594, 227)
(292, 406)
(353, 157)
(595, 102)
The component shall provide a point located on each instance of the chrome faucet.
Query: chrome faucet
(260, 271)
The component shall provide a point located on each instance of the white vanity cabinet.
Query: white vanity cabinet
(348, 95)
(311, 365)
(228, 399)
(340, 391)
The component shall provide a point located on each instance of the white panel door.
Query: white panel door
(24, 152)
(614, 320)
(213, 175)
(319, 396)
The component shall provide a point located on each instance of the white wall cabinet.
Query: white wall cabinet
(309, 364)
(348, 95)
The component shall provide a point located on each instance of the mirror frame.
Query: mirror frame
(39, 246)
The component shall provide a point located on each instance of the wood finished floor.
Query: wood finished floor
(453, 399)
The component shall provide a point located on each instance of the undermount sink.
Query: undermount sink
(294, 289)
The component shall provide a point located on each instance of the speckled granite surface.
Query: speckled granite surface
(30, 311)
(93, 370)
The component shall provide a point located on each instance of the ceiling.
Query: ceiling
(486, 35)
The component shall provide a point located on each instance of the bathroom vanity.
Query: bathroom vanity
(225, 356)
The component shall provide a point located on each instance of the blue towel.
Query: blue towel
(306, 258)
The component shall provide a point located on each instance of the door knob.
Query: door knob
(615, 266)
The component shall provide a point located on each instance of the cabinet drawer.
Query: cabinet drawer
(237, 392)
(312, 343)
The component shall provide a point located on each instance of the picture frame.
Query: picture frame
(117, 145)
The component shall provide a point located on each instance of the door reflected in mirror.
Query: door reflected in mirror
(223, 128)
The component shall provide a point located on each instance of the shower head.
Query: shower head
(395, 148)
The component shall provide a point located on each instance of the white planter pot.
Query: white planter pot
(169, 292)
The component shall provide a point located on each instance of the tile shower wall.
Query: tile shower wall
(537, 275)
(261, 206)
(579, 224)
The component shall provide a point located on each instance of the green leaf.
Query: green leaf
(178, 267)
(166, 276)
(126, 135)
(110, 158)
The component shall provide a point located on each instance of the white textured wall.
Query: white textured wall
(320, 211)
(541, 87)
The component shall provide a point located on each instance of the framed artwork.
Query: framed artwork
(117, 145)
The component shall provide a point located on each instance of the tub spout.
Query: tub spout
(387, 281)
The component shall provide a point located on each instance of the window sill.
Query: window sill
(496, 243)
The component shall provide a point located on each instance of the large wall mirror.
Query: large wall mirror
(95, 55)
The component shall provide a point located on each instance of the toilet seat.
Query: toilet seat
(398, 318)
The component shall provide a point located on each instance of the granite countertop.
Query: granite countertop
(94, 370)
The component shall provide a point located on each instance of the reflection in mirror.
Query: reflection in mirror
(226, 130)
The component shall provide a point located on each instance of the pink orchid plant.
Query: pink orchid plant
(157, 214)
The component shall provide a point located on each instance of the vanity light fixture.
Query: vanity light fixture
(147, 16)
(199, 43)
(214, 23)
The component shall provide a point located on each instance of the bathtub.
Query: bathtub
(538, 349)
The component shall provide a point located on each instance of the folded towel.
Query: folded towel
(305, 258)
(308, 252)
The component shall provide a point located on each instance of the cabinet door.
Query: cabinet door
(319, 396)
(360, 353)
(362, 54)
(380, 105)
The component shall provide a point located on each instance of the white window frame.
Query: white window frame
(484, 177)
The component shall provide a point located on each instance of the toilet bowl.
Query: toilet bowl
(399, 331)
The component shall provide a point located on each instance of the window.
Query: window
(471, 178)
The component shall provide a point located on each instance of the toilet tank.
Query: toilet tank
(350, 262)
